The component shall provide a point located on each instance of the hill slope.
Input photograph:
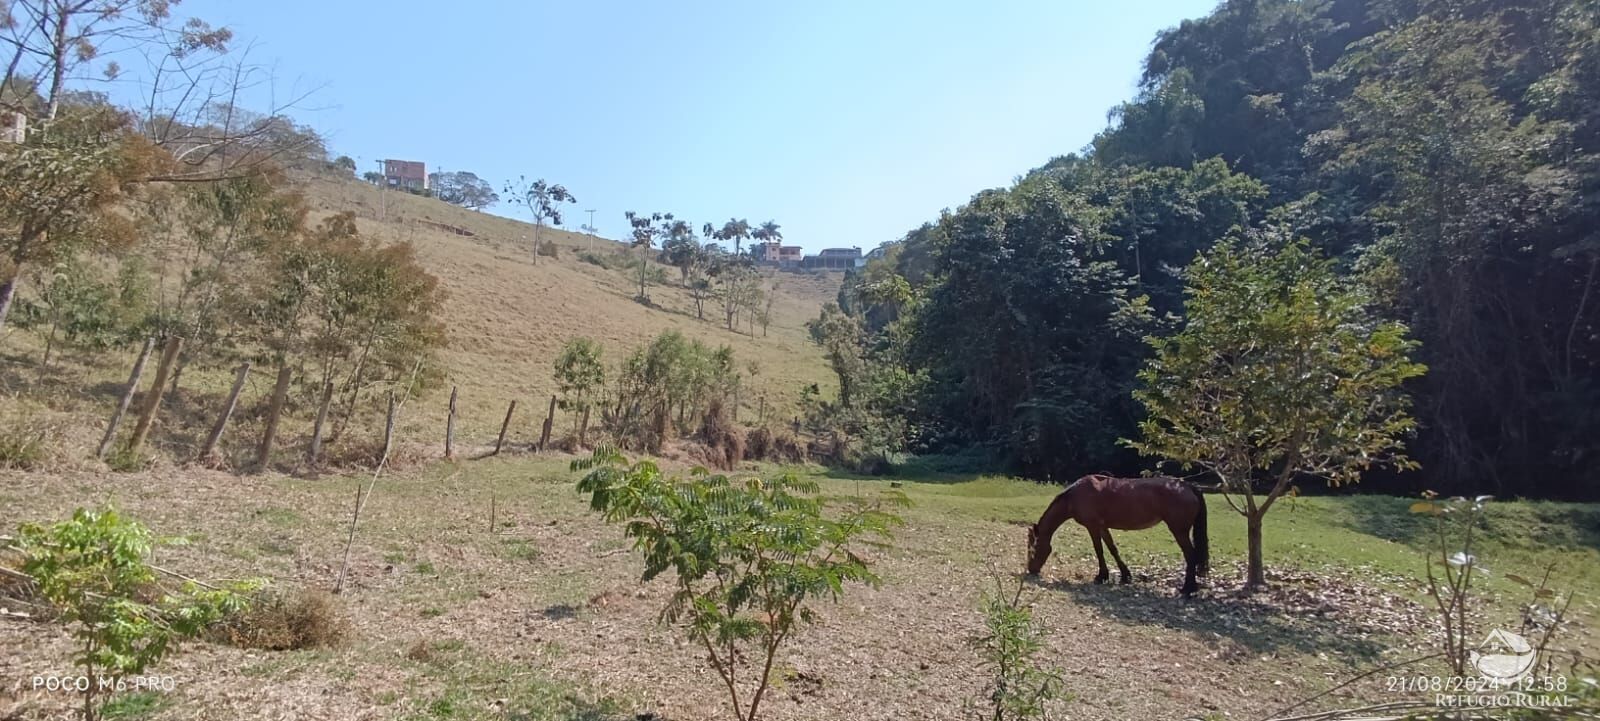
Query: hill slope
(508, 316)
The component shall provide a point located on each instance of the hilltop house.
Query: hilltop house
(772, 252)
(834, 259)
(405, 174)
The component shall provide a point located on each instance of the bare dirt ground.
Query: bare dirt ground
(544, 616)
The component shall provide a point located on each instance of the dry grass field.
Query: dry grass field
(542, 615)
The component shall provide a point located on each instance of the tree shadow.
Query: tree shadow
(1550, 524)
(559, 612)
(1253, 622)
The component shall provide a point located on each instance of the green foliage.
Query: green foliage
(580, 373)
(1019, 686)
(1281, 371)
(75, 305)
(93, 568)
(58, 188)
(668, 384)
(748, 556)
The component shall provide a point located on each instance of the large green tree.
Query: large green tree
(1281, 372)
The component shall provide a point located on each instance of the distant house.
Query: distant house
(13, 127)
(408, 174)
(834, 259)
(772, 252)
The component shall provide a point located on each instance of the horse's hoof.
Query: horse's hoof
(1098, 580)
(1126, 580)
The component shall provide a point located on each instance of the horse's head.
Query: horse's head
(1038, 549)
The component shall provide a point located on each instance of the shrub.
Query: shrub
(765, 444)
(748, 556)
(125, 460)
(92, 569)
(283, 621)
(1019, 686)
(549, 249)
(22, 445)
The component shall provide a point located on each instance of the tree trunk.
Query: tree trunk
(549, 421)
(280, 393)
(450, 428)
(8, 291)
(1256, 577)
(504, 426)
(147, 414)
(583, 428)
(127, 399)
(209, 450)
(315, 452)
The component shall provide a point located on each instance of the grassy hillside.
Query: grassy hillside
(507, 318)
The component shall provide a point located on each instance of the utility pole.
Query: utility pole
(591, 231)
(383, 191)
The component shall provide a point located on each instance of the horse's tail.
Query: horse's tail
(1202, 542)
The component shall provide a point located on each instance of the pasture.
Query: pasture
(542, 616)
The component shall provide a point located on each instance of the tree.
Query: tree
(94, 569)
(748, 557)
(465, 189)
(647, 231)
(768, 232)
(59, 190)
(544, 203)
(373, 176)
(736, 230)
(682, 250)
(580, 376)
(1281, 372)
(346, 164)
(59, 37)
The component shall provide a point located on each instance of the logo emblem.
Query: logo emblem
(1504, 658)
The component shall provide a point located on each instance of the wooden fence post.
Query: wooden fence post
(549, 421)
(505, 426)
(280, 393)
(450, 428)
(388, 432)
(315, 451)
(127, 399)
(147, 414)
(209, 450)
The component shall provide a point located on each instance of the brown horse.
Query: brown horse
(1101, 503)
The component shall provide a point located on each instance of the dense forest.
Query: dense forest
(1442, 152)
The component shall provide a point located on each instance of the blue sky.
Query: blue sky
(849, 123)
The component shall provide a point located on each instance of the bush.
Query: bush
(1019, 686)
(22, 445)
(92, 569)
(747, 555)
(549, 249)
(125, 460)
(284, 621)
(765, 444)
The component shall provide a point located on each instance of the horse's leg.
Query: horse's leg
(1190, 561)
(1100, 554)
(1127, 577)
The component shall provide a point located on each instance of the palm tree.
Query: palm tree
(736, 229)
(767, 232)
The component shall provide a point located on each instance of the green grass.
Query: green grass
(134, 706)
(1374, 535)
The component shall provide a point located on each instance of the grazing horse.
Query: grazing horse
(1101, 503)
